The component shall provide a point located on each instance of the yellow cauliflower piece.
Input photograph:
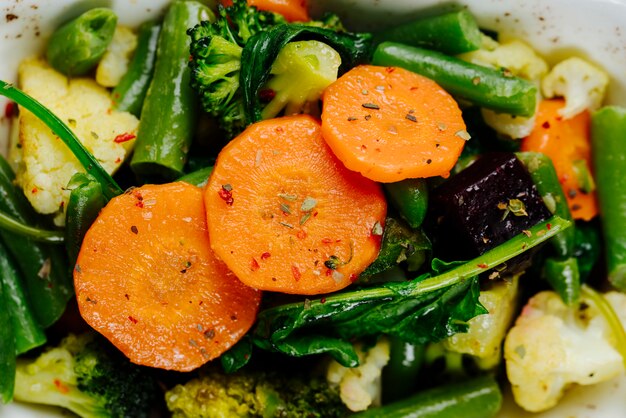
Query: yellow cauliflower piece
(552, 347)
(44, 163)
(581, 83)
(360, 387)
(115, 61)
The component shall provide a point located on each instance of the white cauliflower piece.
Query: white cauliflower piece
(552, 346)
(522, 61)
(486, 332)
(581, 83)
(115, 61)
(360, 387)
(44, 163)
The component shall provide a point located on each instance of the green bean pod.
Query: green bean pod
(476, 398)
(410, 198)
(76, 47)
(608, 130)
(168, 116)
(451, 33)
(400, 375)
(43, 267)
(544, 176)
(7, 351)
(564, 277)
(131, 91)
(199, 177)
(27, 332)
(86, 201)
(483, 86)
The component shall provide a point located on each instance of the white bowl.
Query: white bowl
(595, 29)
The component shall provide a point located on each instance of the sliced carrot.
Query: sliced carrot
(390, 124)
(565, 141)
(292, 10)
(146, 279)
(285, 215)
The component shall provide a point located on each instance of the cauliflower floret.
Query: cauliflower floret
(44, 163)
(581, 83)
(115, 61)
(552, 346)
(522, 61)
(486, 332)
(360, 387)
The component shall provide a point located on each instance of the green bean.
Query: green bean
(476, 398)
(27, 332)
(43, 266)
(199, 177)
(168, 116)
(608, 130)
(482, 86)
(7, 351)
(451, 33)
(564, 277)
(400, 375)
(86, 201)
(131, 91)
(37, 234)
(410, 198)
(76, 47)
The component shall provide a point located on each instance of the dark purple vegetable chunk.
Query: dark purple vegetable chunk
(484, 205)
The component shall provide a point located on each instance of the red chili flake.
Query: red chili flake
(329, 272)
(323, 300)
(254, 265)
(226, 195)
(133, 320)
(60, 386)
(301, 234)
(353, 277)
(315, 214)
(545, 125)
(296, 273)
(139, 198)
(266, 95)
(35, 190)
(548, 226)
(61, 205)
(9, 110)
(124, 137)
(326, 241)
(414, 88)
(265, 256)
(482, 265)
(118, 160)
(390, 70)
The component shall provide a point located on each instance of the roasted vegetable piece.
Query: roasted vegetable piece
(410, 198)
(168, 115)
(489, 202)
(255, 394)
(89, 377)
(76, 47)
(476, 398)
(451, 33)
(131, 91)
(482, 86)
(608, 130)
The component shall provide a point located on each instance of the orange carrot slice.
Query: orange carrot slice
(285, 215)
(292, 10)
(146, 279)
(566, 142)
(390, 124)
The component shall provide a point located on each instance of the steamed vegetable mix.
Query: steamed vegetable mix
(352, 206)
(609, 158)
(168, 115)
(76, 47)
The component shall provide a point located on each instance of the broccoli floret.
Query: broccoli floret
(300, 73)
(254, 394)
(88, 376)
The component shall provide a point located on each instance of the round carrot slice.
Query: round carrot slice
(390, 124)
(147, 280)
(285, 215)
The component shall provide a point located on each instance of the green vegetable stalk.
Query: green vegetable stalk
(76, 47)
(131, 91)
(199, 177)
(410, 198)
(7, 351)
(485, 87)
(400, 376)
(169, 113)
(36, 234)
(451, 33)
(608, 130)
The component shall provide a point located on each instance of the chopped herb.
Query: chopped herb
(305, 218)
(288, 197)
(333, 262)
(410, 117)
(365, 92)
(367, 117)
(227, 187)
(285, 224)
(476, 81)
(463, 134)
(377, 229)
(308, 204)
(371, 106)
(72, 122)
(134, 230)
(351, 118)
(285, 208)
(94, 135)
(517, 207)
